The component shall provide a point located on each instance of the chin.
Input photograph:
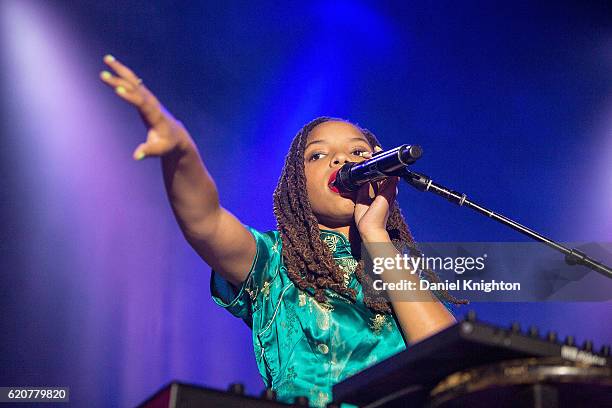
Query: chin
(332, 209)
(341, 214)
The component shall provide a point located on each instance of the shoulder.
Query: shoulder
(265, 239)
(268, 258)
(268, 243)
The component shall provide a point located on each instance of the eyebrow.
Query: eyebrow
(361, 139)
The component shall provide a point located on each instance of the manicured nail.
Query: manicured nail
(120, 90)
(105, 75)
(140, 155)
(108, 58)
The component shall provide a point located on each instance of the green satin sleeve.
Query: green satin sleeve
(239, 301)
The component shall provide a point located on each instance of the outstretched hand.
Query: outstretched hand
(165, 134)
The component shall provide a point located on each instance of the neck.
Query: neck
(349, 231)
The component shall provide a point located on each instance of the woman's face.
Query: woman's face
(328, 147)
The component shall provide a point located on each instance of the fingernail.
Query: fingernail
(120, 90)
(105, 75)
(108, 58)
(140, 155)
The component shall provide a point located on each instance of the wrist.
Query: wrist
(376, 235)
(184, 144)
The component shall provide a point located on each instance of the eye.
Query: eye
(316, 156)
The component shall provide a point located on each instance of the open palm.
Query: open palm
(165, 134)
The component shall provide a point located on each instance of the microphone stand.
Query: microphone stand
(572, 256)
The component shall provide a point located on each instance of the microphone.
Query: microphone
(383, 164)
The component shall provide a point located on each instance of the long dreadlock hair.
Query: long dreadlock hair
(308, 260)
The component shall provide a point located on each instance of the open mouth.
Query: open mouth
(330, 182)
(346, 194)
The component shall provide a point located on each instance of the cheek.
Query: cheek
(312, 187)
(319, 200)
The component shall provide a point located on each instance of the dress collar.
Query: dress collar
(337, 243)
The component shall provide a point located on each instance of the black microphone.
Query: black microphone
(383, 164)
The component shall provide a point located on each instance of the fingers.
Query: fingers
(121, 70)
(130, 88)
(152, 147)
(366, 155)
(164, 131)
(122, 87)
(116, 81)
(140, 152)
(388, 189)
(369, 192)
(366, 193)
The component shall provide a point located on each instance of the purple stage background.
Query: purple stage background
(101, 293)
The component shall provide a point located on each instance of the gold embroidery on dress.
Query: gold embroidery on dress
(322, 313)
(252, 292)
(333, 295)
(372, 359)
(320, 398)
(266, 289)
(323, 320)
(338, 347)
(291, 322)
(322, 306)
(348, 266)
(336, 369)
(302, 299)
(378, 322)
(331, 241)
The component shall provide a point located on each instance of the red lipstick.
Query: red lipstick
(330, 182)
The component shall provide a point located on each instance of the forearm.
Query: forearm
(191, 190)
(419, 312)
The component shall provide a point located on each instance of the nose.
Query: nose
(339, 159)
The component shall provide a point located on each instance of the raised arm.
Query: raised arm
(213, 232)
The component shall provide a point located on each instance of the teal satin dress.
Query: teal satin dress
(304, 347)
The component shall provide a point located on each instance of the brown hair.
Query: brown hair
(308, 260)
